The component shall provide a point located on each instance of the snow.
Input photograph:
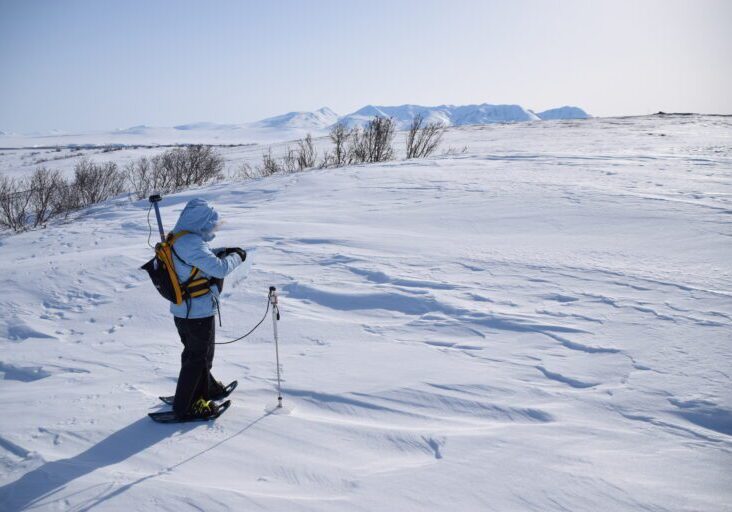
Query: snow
(540, 322)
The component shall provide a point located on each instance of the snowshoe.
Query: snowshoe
(226, 392)
(202, 410)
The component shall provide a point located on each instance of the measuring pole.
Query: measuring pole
(275, 319)
(155, 199)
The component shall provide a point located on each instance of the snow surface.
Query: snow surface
(540, 322)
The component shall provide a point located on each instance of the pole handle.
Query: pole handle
(273, 300)
(155, 199)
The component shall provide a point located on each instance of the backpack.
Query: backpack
(162, 273)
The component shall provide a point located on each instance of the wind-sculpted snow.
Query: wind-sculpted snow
(540, 321)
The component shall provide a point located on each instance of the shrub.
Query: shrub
(146, 176)
(97, 182)
(423, 139)
(306, 153)
(289, 161)
(47, 188)
(373, 142)
(270, 165)
(339, 135)
(14, 203)
(193, 165)
(243, 172)
(174, 170)
(33, 201)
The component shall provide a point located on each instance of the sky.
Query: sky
(77, 65)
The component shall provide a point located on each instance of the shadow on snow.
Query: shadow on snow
(51, 478)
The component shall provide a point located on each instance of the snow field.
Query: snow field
(539, 323)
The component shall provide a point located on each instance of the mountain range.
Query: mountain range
(322, 119)
(450, 115)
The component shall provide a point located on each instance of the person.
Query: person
(195, 317)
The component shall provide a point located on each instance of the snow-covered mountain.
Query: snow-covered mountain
(140, 129)
(293, 125)
(317, 120)
(565, 112)
(207, 126)
(450, 115)
(402, 114)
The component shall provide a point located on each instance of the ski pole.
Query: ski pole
(155, 199)
(275, 318)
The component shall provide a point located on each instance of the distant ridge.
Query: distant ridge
(318, 119)
(461, 115)
(565, 112)
(319, 122)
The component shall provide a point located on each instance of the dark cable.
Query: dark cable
(149, 234)
(253, 328)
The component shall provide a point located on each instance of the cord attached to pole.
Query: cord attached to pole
(253, 328)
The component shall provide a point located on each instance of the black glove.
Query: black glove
(238, 250)
(219, 282)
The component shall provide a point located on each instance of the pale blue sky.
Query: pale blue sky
(85, 64)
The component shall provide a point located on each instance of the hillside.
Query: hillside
(539, 322)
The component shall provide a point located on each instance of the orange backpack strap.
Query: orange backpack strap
(172, 237)
(192, 287)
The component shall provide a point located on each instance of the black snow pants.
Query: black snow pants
(195, 379)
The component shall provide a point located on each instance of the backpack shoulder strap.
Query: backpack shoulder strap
(172, 237)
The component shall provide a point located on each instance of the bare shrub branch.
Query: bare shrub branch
(97, 182)
(374, 142)
(181, 168)
(14, 203)
(327, 161)
(174, 170)
(306, 153)
(46, 190)
(270, 165)
(423, 139)
(339, 135)
(244, 172)
(289, 161)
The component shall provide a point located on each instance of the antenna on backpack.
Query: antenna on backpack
(155, 199)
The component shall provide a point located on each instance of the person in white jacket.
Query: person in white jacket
(195, 318)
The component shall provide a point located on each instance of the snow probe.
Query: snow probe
(275, 319)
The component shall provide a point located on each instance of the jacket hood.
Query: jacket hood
(198, 217)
